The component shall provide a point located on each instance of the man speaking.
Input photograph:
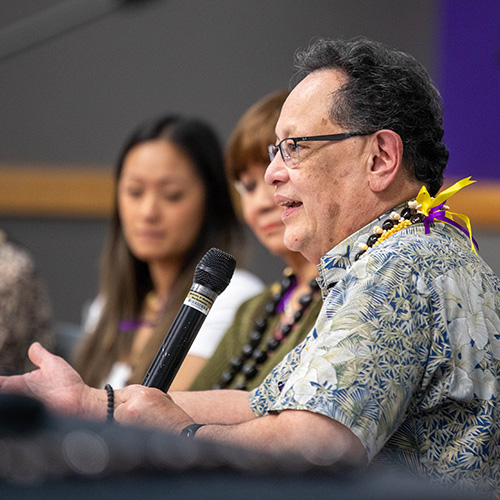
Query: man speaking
(403, 364)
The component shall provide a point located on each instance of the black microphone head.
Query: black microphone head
(215, 270)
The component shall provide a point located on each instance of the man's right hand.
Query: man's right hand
(57, 385)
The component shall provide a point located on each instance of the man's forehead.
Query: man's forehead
(304, 107)
(309, 101)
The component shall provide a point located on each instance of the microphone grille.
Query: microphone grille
(215, 270)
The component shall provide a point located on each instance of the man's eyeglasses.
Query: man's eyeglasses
(290, 151)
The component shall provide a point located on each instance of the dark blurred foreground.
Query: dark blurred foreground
(47, 457)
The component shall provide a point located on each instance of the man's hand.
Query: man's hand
(57, 385)
(145, 406)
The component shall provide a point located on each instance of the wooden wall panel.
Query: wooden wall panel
(87, 192)
(57, 192)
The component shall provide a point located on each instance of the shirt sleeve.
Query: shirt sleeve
(365, 357)
(243, 286)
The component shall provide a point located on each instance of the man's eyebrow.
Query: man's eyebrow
(285, 135)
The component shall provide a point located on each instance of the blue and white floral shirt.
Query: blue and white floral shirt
(405, 353)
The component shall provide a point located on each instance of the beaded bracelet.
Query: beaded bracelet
(111, 403)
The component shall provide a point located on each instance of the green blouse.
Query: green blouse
(237, 336)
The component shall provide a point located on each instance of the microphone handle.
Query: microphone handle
(174, 348)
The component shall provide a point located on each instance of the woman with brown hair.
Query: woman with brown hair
(269, 325)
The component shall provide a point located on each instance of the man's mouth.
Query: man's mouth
(289, 204)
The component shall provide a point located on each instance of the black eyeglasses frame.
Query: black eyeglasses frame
(273, 148)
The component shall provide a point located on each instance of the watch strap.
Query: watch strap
(189, 431)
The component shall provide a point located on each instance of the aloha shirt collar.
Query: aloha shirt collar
(335, 264)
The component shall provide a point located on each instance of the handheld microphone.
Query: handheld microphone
(211, 277)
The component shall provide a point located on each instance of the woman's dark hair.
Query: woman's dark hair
(385, 89)
(125, 280)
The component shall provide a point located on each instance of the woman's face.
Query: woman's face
(161, 201)
(260, 210)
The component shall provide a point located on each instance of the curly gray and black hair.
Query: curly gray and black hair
(385, 89)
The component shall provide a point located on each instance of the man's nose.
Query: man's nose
(276, 171)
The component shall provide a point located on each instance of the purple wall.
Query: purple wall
(470, 84)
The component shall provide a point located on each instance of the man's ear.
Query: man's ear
(387, 157)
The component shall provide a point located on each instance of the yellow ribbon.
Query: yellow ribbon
(427, 204)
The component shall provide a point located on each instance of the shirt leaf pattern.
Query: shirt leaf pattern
(406, 353)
